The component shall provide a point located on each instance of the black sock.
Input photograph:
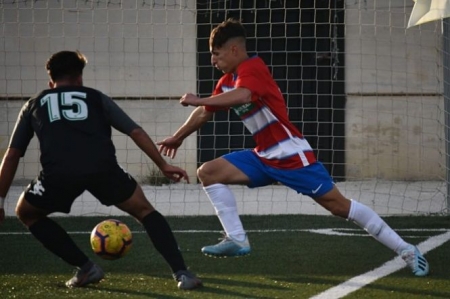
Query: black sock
(56, 239)
(163, 239)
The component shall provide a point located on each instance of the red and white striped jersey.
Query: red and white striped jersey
(278, 142)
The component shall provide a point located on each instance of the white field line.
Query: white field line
(352, 232)
(387, 268)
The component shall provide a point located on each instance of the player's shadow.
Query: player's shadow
(209, 290)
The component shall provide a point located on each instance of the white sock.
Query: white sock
(366, 218)
(225, 206)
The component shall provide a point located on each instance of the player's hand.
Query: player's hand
(174, 173)
(2, 215)
(190, 99)
(168, 147)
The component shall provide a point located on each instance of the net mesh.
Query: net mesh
(366, 91)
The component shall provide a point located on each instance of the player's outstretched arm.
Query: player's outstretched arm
(169, 146)
(7, 172)
(237, 96)
(145, 143)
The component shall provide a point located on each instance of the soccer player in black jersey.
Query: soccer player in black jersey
(73, 125)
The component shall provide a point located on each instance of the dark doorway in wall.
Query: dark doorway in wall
(302, 42)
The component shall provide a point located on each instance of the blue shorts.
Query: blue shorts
(312, 180)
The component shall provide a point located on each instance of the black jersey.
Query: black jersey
(73, 125)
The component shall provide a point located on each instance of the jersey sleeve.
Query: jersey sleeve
(217, 90)
(251, 76)
(118, 118)
(23, 130)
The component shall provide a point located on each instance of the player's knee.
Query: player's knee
(140, 214)
(137, 205)
(25, 216)
(204, 173)
(19, 213)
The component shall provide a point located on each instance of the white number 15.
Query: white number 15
(68, 100)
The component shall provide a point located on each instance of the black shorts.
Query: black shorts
(56, 193)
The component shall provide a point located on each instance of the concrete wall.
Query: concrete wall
(395, 137)
(394, 113)
(136, 50)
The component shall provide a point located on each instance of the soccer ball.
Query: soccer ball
(111, 239)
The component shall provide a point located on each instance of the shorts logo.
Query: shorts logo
(317, 189)
(38, 189)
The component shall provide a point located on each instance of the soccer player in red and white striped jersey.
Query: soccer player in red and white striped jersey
(281, 154)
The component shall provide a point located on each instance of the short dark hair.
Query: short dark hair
(65, 64)
(226, 30)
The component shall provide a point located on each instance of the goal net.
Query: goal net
(367, 92)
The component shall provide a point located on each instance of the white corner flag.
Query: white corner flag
(428, 10)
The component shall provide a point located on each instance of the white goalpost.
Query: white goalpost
(363, 79)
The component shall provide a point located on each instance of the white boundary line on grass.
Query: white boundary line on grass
(336, 231)
(386, 269)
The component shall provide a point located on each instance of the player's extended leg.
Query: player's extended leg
(161, 236)
(215, 175)
(366, 218)
(56, 240)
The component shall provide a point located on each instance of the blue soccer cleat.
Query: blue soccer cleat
(228, 247)
(415, 260)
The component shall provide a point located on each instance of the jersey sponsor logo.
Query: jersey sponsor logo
(38, 189)
(243, 109)
(239, 109)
